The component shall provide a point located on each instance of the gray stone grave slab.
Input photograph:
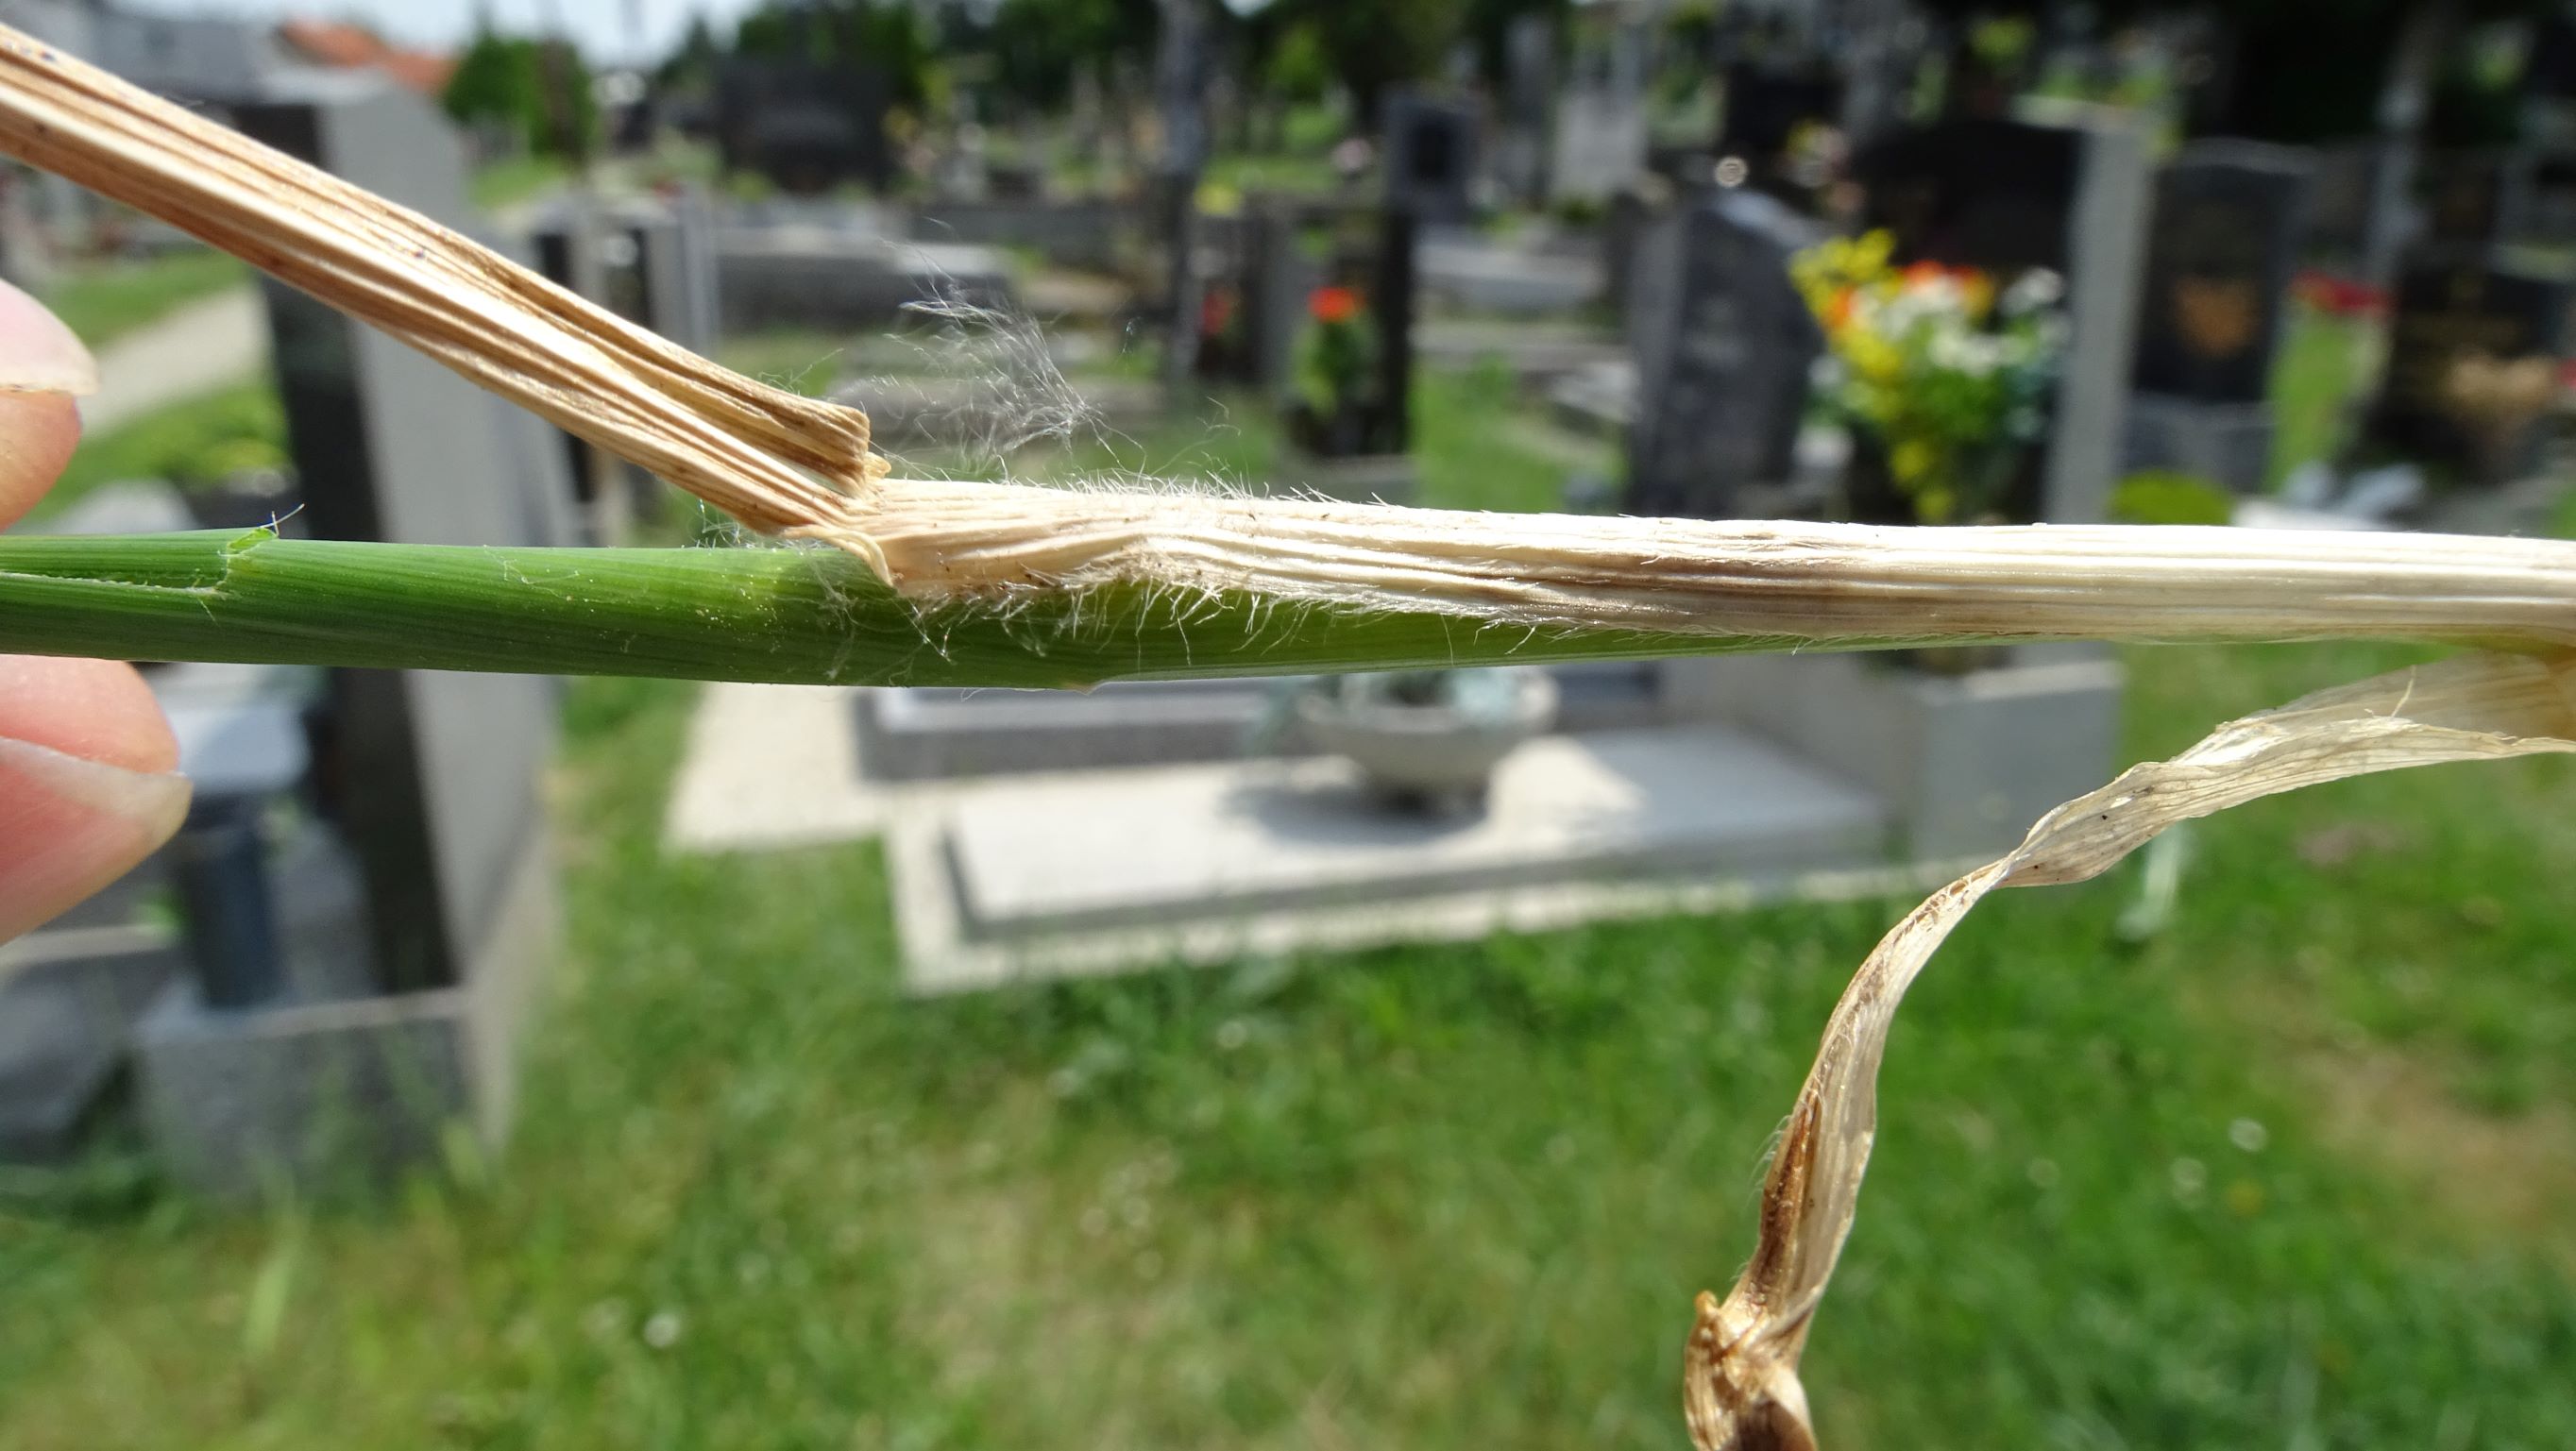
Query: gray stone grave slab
(807, 277)
(68, 1001)
(1965, 763)
(1127, 849)
(1724, 344)
(921, 733)
(1477, 274)
(930, 733)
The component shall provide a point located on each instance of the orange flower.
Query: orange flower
(1838, 312)
(1919, 274)
(1334, 304)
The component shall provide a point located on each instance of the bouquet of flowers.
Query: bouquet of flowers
(1948, 373)
(1337, 355)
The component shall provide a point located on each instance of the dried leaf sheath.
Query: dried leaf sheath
(754, 451)
(1740, 1366)
(788, 465)
(1782, 581)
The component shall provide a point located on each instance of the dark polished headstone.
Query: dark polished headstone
(2219, 261)
(1978, 192)
(1767, 105)
(2451, 314)
(2461, 197)
(806, 126)
(1430, 157)
(1724, 344)
(2063, 189)
(435, 776)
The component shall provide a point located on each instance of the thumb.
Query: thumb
(87, 786)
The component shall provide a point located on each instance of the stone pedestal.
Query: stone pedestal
(344, 1093)
(1098, 870)
(2227, 444)
(1965, 763)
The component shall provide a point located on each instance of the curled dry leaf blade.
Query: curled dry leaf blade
(1741, 1390)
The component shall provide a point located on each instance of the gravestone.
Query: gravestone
(2461, 199)
(2067, 192)
(1599, 140)
(1723, 345)
(651, 261)
(2467, 342)
(1430, 157)
(2229, 215)
(1180, 108)
(1768, 106)
(1253, 295)
(1966, 761)
(804, 126)
(433, 778)
(1632, 213)
(1529, 97)
(2343, 197)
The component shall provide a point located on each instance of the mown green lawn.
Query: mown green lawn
(103, 302)
(2295, 1173)
(2315, 378)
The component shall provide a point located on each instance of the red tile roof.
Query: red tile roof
(344, 46)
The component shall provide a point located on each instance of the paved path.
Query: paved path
(207, 345)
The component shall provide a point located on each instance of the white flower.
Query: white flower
(2032, 291)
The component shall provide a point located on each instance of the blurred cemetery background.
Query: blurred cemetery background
(509, 1062)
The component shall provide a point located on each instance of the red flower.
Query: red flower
(1921, 273)
(1334, 304)
(1216, 310)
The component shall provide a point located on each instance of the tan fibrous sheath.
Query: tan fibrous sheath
(790, 466)
(767, 457)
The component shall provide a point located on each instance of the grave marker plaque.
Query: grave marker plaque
(2228, 216)
(1724, 344)
(2467, 344)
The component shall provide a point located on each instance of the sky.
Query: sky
(605, 28)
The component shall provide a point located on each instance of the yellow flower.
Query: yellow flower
(1871, 252)
(1911, 460)
(1978, 290)
(1872, 357)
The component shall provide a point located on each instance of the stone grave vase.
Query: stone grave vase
(2007, 475)
(1428, 738)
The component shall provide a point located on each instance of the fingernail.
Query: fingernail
(37, 353)
(69, 826)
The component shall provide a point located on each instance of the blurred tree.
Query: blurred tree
(891, 38)
(1038, 44)
(692, 67)
(538, 91)
(1489, 22)
(2291, 70)
(1374, 46)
